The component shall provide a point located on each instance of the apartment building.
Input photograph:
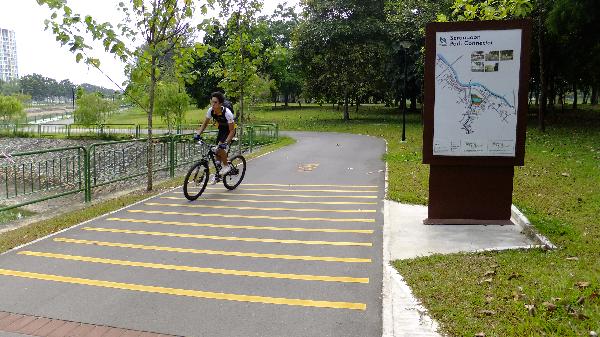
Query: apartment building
(8, 55)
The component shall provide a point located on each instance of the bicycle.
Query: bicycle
(197, 176)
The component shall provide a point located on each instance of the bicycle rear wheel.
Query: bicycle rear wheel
(238, 169)
(195, 181)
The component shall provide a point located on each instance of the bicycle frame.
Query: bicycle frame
(209, 156)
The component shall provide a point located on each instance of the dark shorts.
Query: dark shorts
(223, 133)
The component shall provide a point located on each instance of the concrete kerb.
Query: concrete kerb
(521, 221)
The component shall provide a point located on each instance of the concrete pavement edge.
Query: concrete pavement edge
(402, 314)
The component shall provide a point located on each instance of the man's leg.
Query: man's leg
(222, 156)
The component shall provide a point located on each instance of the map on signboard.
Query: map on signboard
(476, 90)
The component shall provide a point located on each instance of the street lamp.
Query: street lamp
(404, 45)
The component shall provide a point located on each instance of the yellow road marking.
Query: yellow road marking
(306, 185)
(185, 292)
(250, 216)
(291, 229)
(290, 190)
(216, 252)
(303, 196)
(280, 201)
(302, 277)
(246, 208)
(228, 238)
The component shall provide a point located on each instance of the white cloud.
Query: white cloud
(39, 52)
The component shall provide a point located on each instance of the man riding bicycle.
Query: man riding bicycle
(224, 117)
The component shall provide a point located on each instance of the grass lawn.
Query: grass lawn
(509, 293)
(138, 116)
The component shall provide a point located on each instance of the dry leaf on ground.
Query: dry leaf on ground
(530, 309)
(487, 312)
(549, 306)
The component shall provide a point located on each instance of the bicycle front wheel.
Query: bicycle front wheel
(195, 181)
(238, 169)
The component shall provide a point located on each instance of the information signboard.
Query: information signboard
(475, 92)
(476, 86)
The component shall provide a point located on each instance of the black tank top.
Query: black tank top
(221, 119)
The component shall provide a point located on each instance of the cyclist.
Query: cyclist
(224, 117)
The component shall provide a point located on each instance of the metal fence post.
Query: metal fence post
(172, 156)
(87, 185)
(251, 137)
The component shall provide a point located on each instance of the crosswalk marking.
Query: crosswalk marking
(246, 208)
(250, 216)
(228, 238)
(216, 252)
(221, 271)
(185, 292)
(279, 201)
(268, 228)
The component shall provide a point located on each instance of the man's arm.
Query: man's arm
(203, 126)
(231, 132)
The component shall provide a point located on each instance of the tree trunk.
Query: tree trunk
(574, 96)
(594, 98)
(346, 114)
(413, 103)
(286, 99)
(150, 145)
(543, 88)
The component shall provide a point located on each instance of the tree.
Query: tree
(341, 48)
(241, 57)
(573, 24)
(11, 109)
(163, 26)
(281, 63)
(406, 21)
(171, 103)
(36, 86)
(9, 88)
(92, 109)
(205, 81)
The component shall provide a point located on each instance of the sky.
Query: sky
(39, 52)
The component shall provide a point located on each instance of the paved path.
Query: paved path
(296, 250)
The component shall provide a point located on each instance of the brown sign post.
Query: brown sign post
(476, 86)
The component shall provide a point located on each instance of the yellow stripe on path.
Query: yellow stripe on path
(228, 238)
(306, 185)
(302, 196)
(291, 229)
(185, 292)
(301, 277)
(245, 208)
(291, 190)
(215, 252)
(280, 201)
(250, 216)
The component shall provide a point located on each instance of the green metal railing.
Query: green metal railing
(59, 172)
(36, 176)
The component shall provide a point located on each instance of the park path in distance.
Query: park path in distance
(295, 250)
